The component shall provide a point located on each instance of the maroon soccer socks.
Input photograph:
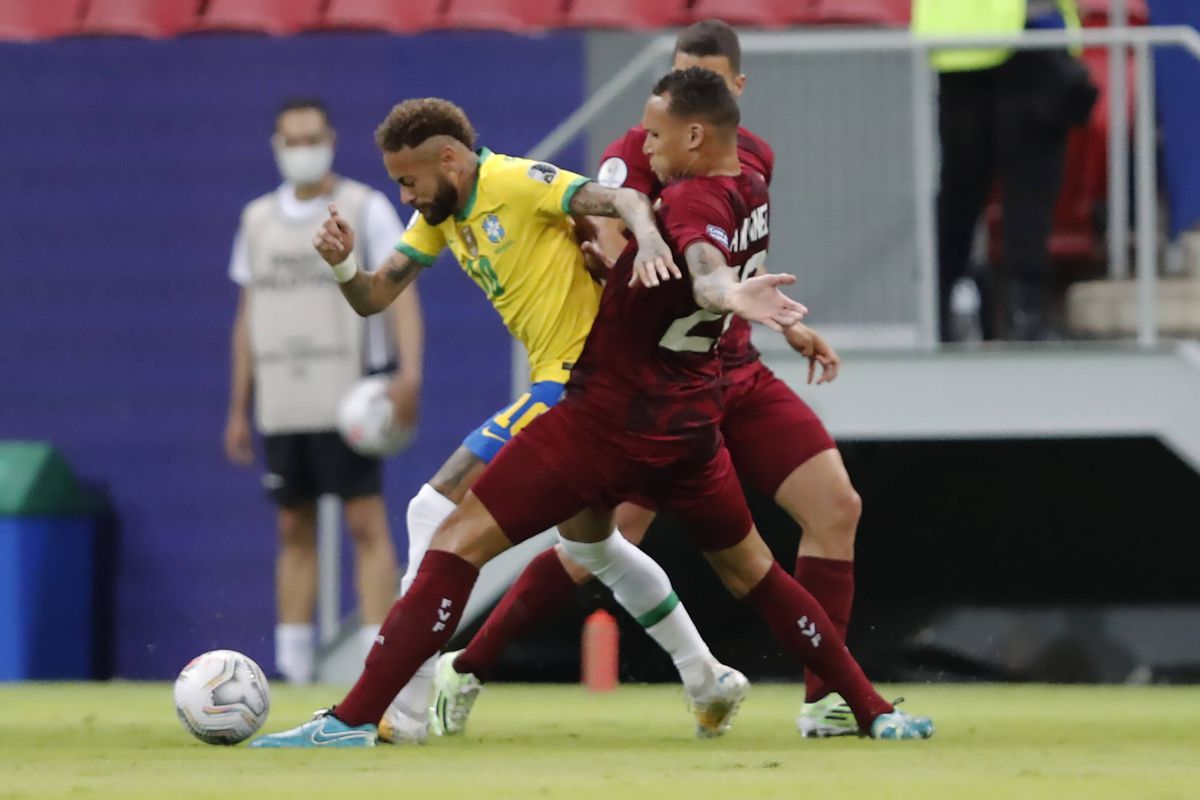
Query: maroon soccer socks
(419, 624)
(804, 628)
(831, 582)
(541, 590)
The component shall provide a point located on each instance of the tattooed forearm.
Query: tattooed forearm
(595, 200)
(712, 277)
(371, 292)
(357, 292)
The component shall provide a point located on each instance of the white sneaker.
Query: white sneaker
(715, 709)
(399, 727)
(829, 716)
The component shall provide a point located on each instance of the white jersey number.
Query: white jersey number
(679, 338)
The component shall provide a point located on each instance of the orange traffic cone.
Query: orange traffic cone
(601, 643)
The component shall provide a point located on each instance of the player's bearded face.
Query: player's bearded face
(444, 201)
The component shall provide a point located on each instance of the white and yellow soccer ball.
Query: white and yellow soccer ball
(366, 420)
(222, 697)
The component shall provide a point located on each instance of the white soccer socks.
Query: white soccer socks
(642, 588)
(294, 652)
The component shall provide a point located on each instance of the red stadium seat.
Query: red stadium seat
(634, 14)
(760, 13)
(517, 16)
(895, 13)
(396, 16)
(152, 18)
(1095, 12)
(278, 17)
(29, 20)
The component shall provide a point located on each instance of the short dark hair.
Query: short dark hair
(711, 37)
(302, 104)
(412, 122)
(699, 92)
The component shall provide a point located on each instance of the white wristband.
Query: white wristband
(345, 270)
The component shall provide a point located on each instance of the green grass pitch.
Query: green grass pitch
(122, 740)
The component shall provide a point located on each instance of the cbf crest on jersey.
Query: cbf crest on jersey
(468, 237)
(492, 228)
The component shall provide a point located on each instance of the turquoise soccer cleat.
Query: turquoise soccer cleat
(323, 730)
(899, 725)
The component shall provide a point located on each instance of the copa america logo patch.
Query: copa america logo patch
(718, 235)
(541, 171)
(613, 173)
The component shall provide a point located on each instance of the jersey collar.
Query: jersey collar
(483, 153)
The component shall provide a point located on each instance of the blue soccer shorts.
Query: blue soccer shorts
(486, 440)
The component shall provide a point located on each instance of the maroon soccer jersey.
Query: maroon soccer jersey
(650, 364)
(625, 163)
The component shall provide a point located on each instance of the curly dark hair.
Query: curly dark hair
(711, 37)
(698, 92)
(411, 123)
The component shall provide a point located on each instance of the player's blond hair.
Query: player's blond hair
(411, 123)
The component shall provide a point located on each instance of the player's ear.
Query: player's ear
(739, 85)
(695, 135)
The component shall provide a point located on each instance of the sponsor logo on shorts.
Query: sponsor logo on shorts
(718, 234)
(541, 171)
(613, 173)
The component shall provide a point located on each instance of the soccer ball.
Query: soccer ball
(222, 697)
(366, 420)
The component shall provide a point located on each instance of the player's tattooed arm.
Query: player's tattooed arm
(367, 292)
(371, 292)
(653, 262)
(716, 287)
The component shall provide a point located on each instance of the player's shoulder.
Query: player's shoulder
(514, 172)
(751, 140)
(757, 151)
(624, 154)
(260, 207)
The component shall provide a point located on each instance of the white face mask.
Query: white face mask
(304, 166)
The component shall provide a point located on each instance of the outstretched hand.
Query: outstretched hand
(653, 263)
(335, 240)
(759, 299)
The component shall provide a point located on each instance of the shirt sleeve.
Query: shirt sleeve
(239, 261)
(625, 164)
(421, 242)
(383, 230)
(691, 214)
(547, 188)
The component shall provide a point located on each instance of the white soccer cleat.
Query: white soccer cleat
(454, 695)
(714, 709)
(400, 727)
(829, 716)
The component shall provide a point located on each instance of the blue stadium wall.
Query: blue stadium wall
(125, 165)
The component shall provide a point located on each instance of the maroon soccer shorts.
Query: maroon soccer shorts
(568, 460)
(768, 430)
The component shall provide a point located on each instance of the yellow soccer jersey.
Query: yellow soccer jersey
(515, 241)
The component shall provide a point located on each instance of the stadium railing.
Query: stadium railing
(916, 296)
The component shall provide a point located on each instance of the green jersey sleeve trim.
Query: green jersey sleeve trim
(570, 192)
(416, 255)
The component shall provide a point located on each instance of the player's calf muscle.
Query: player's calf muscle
(742, 566)
(456, 477)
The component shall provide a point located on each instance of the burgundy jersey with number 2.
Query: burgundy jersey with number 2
(650, 362)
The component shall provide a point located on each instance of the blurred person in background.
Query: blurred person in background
(297, 349)
(1002, 114)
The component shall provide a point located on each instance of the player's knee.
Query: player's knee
(297, 528)
(633, 522)
(366, 522)
(846, 511)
